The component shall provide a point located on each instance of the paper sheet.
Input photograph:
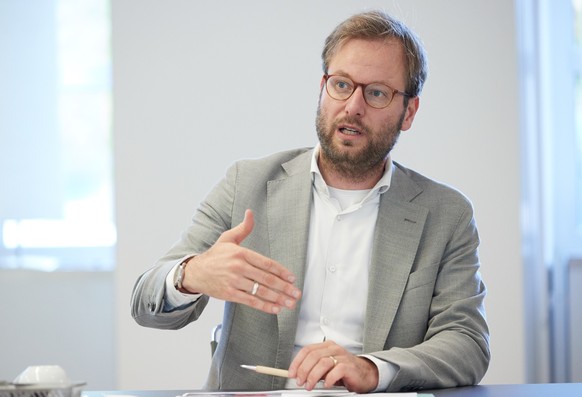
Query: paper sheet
(298, 393)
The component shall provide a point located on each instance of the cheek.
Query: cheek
(331, 106)
(384, 123)
(324, 102)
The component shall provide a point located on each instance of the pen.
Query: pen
(267, 370)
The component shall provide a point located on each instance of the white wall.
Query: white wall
(197, 85)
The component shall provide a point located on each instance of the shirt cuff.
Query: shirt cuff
(386, 372)
(174, 298)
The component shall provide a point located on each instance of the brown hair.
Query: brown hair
(379, 25)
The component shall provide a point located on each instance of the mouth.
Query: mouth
(349, 131)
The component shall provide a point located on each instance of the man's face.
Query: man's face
(354, 136)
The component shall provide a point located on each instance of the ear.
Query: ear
(410, 112)
(322, 83)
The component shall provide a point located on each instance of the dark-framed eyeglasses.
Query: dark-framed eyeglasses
(377, 95)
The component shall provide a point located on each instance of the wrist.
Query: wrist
(180, 276)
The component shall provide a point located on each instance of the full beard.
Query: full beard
(351, 164)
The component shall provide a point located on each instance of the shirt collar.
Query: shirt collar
(381, 186)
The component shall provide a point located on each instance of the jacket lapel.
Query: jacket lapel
(288, 215)
(398, 231)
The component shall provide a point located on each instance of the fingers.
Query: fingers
(238, 233)
(229, 272)
(308, 367)
(269, 273)
(333, 364)
(274, 287)
(264, 300)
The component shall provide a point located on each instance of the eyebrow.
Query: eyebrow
(344, 74)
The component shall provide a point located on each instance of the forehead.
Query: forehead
(380, 60)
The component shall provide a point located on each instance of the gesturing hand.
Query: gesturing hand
(229, 272)
(332, 363)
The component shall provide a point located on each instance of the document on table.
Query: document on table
(339, 392)
(299, 393)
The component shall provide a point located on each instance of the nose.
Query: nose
(355, 104)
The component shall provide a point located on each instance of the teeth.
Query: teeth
(350, 131)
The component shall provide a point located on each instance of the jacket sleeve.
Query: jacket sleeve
(212, 218)
(455, 350)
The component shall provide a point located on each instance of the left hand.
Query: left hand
(316, 362)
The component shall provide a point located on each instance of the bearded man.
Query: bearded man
(335, 263)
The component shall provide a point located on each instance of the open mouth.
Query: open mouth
(349, 131)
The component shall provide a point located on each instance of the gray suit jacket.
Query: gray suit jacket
(425, 309)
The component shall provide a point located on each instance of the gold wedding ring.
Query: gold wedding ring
(255, 288)
(334, 360)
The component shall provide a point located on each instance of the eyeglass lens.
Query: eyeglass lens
(375, 94)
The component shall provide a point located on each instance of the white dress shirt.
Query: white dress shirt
(335, 290)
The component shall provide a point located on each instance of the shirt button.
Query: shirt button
(332, 268)
(339, 218)
(325, 321)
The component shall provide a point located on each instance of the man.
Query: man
(335, 262)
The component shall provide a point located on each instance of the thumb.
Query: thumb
(238, 233)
